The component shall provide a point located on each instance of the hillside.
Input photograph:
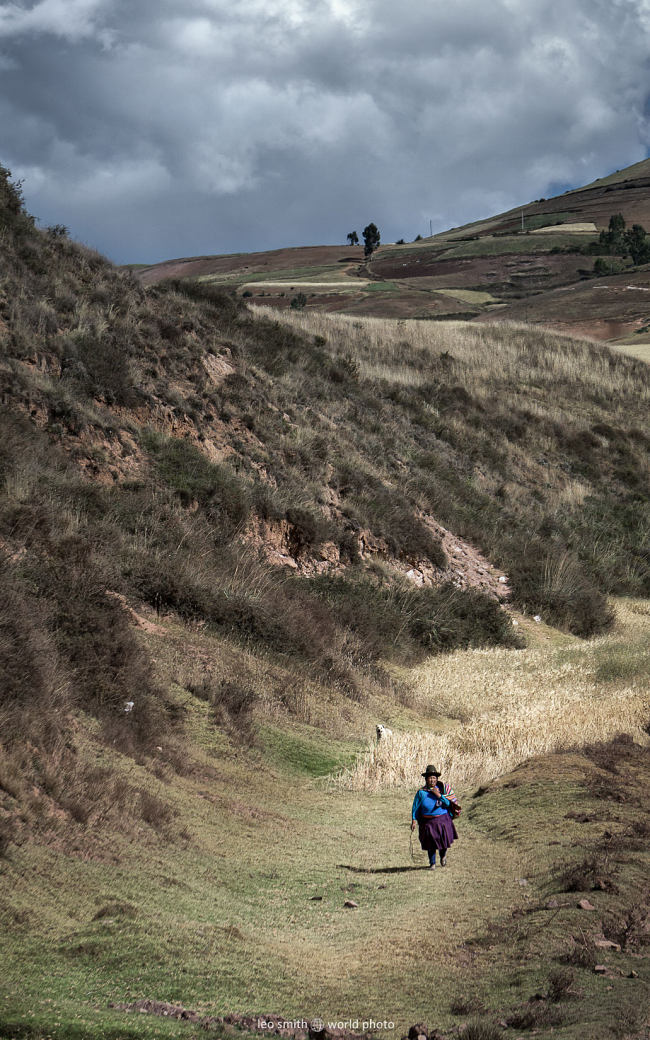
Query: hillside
(232, 542)
(490, 270)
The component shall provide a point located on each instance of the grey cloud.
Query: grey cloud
(71, 19)
(168, 128)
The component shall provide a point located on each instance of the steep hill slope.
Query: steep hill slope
(153, 439)
(532, 263)
(230, 545)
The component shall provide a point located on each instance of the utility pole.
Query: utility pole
(522, 220)
(430, 229)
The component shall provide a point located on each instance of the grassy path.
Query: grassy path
(234, 901)
(236, 925)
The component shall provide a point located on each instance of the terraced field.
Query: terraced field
(526, 265)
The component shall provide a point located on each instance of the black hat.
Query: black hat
(431, 771)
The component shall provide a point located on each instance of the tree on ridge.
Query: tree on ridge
(371, 239)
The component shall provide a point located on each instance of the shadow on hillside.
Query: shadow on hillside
(381, 870)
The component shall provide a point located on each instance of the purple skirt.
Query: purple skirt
(436, 832)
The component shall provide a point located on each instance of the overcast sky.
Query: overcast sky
(166, 128)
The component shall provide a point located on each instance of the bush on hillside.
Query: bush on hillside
(94, 636)
(308, 529)
(402, 620)
(218, 298)
(556, 587)
(100, 366)
(13, 217)
(233, 706)
(391, 515)
(187, 471)
(410, 538)
(33, 684)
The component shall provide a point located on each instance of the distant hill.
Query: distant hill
(490, 270)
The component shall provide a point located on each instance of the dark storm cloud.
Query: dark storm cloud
(162, 127)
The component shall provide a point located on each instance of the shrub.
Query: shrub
(559, 985)
(591, 873)
(102, 367)
(307, 529)
(343, 369)
(8, 834)
(12, 212)
(557, 587)
(583, 952)
(187, 471)
(34, 686)
(94, 637)
(604, 266)
(218, 298)
(401, 619)
(154, 811)
(535, 1015)
(275, 347)
(481, 1031)
(446, 617)
(407, 536)
(233, 706)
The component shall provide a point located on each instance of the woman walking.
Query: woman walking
(431, 813)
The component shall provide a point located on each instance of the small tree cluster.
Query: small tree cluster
(621, 241)
(371, 239)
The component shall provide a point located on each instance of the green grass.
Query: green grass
(305, 754)
(539, 220)
(226, 920)
(639, 169)
(498, 246)
(381, 287)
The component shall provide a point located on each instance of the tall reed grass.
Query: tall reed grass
(511, 354)
(510, 706)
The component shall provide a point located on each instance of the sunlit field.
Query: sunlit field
(514, 705)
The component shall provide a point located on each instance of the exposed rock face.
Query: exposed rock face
(218, 367)
(280, 544)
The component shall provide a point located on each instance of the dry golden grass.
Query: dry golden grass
(553, 228)
(513, 705)
(510, 354)
(637, 350)
(571, 495)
